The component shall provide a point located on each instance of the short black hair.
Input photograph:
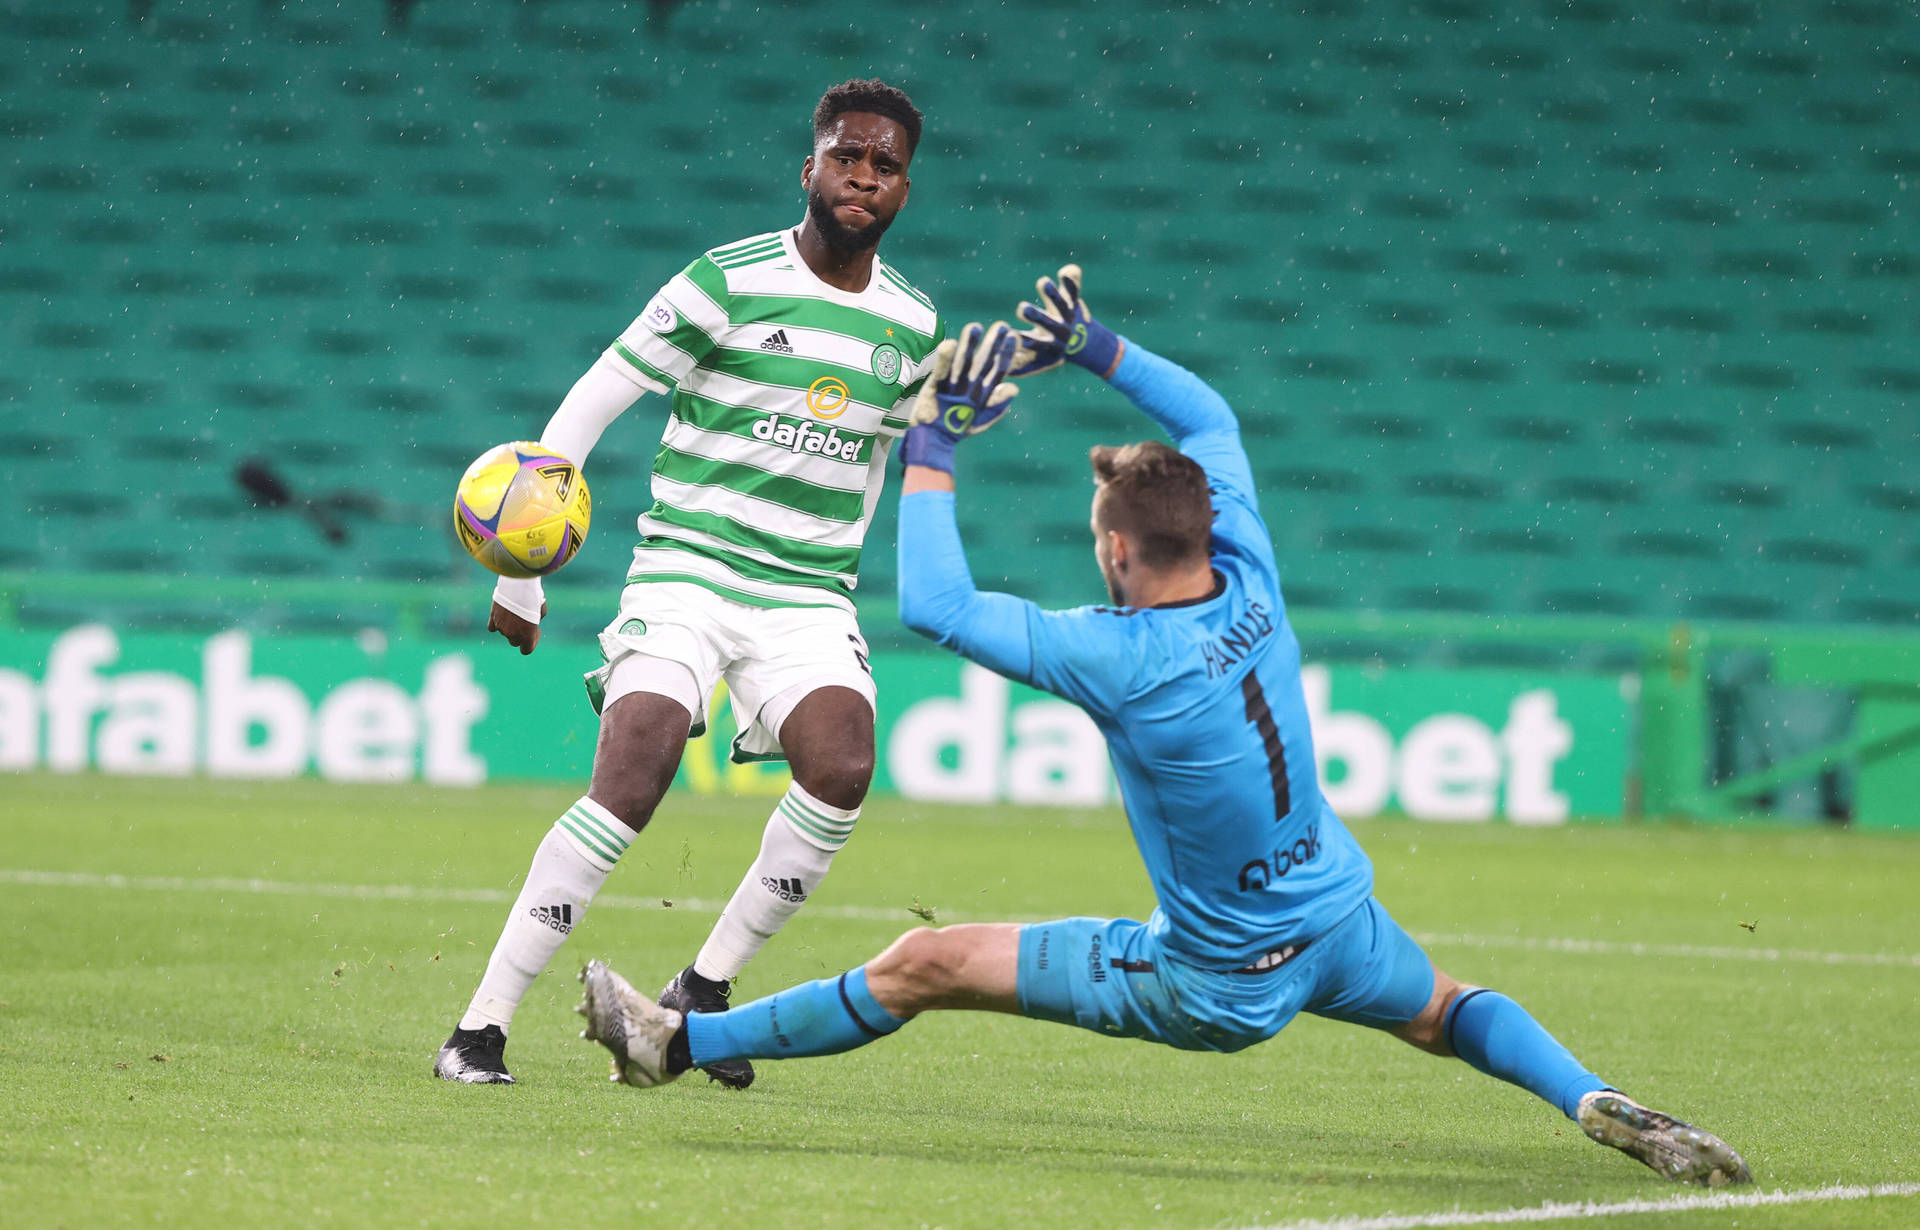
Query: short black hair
(872, 95)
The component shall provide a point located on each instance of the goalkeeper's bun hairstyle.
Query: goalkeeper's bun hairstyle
(1157, 496)
(872, 95)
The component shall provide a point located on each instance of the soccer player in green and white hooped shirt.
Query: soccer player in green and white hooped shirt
(792, 359)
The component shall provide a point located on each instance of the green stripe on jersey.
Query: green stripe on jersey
(794, 372)
(738, 246)
(706, 275)
(620, 348)
(742, 511)
(664, 545)
(902, 284)
(841, 561)
(718, 416)
(795, 493)
(742, 596)
(750, 255)
(775, 309)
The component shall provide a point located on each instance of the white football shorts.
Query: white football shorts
(678, 640)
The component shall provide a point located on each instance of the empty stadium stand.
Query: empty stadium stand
(1560, 306)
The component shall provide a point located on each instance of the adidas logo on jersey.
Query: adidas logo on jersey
(785, 887)
(559, 917)
(777, 342)
(800, 436)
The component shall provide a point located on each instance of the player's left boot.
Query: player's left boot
(630, 1025)
(474, 1057)
(689, 992)
(1675, 1150)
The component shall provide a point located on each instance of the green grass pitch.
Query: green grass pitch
(234, 1035)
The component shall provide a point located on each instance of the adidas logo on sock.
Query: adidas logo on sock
(559, 917)
(785, 888)
(777, 342)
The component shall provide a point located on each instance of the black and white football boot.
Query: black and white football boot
(689, 992)
(1672, 1149)
(474, 1057)
(636, 1031)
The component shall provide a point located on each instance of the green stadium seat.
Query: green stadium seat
(1522, 304)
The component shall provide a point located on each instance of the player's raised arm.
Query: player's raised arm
(964, 395)
(1199, 419)
(1059, 651)
(652, 355)
(596, 399)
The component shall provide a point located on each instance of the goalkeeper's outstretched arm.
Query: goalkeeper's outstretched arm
(965, 393)
(1080, 655)
(596, 399)
(1185, 406)
(937, 595)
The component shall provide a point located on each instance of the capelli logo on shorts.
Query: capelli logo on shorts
(800, 436)
(1096, 968)
(1264, 871)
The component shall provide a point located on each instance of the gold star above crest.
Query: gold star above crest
(889, 332)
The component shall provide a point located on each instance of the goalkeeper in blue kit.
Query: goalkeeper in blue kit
(1265, 901)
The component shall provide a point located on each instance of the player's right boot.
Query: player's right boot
(474, 1057)
(1675, 1150)
(689, 992)
(630, 1025)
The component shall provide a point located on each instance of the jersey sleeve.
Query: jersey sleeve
(1077, 655)
(1238, 528)
(1205, 428)
(680, 327)
(1084, 655)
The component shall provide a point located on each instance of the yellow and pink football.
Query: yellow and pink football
(522, 510)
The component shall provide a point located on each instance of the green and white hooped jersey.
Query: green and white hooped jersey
(787, 397)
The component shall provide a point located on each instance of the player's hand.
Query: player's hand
(965, 393)
(522, 634)
(1064, 331)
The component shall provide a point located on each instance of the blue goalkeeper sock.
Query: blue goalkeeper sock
(814, 1018)
(1496, 1035)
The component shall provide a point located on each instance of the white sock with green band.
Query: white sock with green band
(568, 869)
(801, 839)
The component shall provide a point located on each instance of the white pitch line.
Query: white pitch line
(871, 913)
(1552, 1211)
(1627, 948)
(389, 892)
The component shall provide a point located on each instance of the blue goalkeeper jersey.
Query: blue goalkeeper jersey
(1201, 702)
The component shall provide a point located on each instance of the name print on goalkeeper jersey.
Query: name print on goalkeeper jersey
(787, 397)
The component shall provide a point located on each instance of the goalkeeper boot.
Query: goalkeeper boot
(1675, 1150)
(689, 992)
(630, 1025)
(474, 1057)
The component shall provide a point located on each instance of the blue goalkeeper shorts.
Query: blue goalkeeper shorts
(1109, 976)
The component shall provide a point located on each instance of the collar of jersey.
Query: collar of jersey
(851, 298)
(1219, 587)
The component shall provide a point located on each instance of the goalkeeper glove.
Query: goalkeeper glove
(964, 394)
(1063, 329)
